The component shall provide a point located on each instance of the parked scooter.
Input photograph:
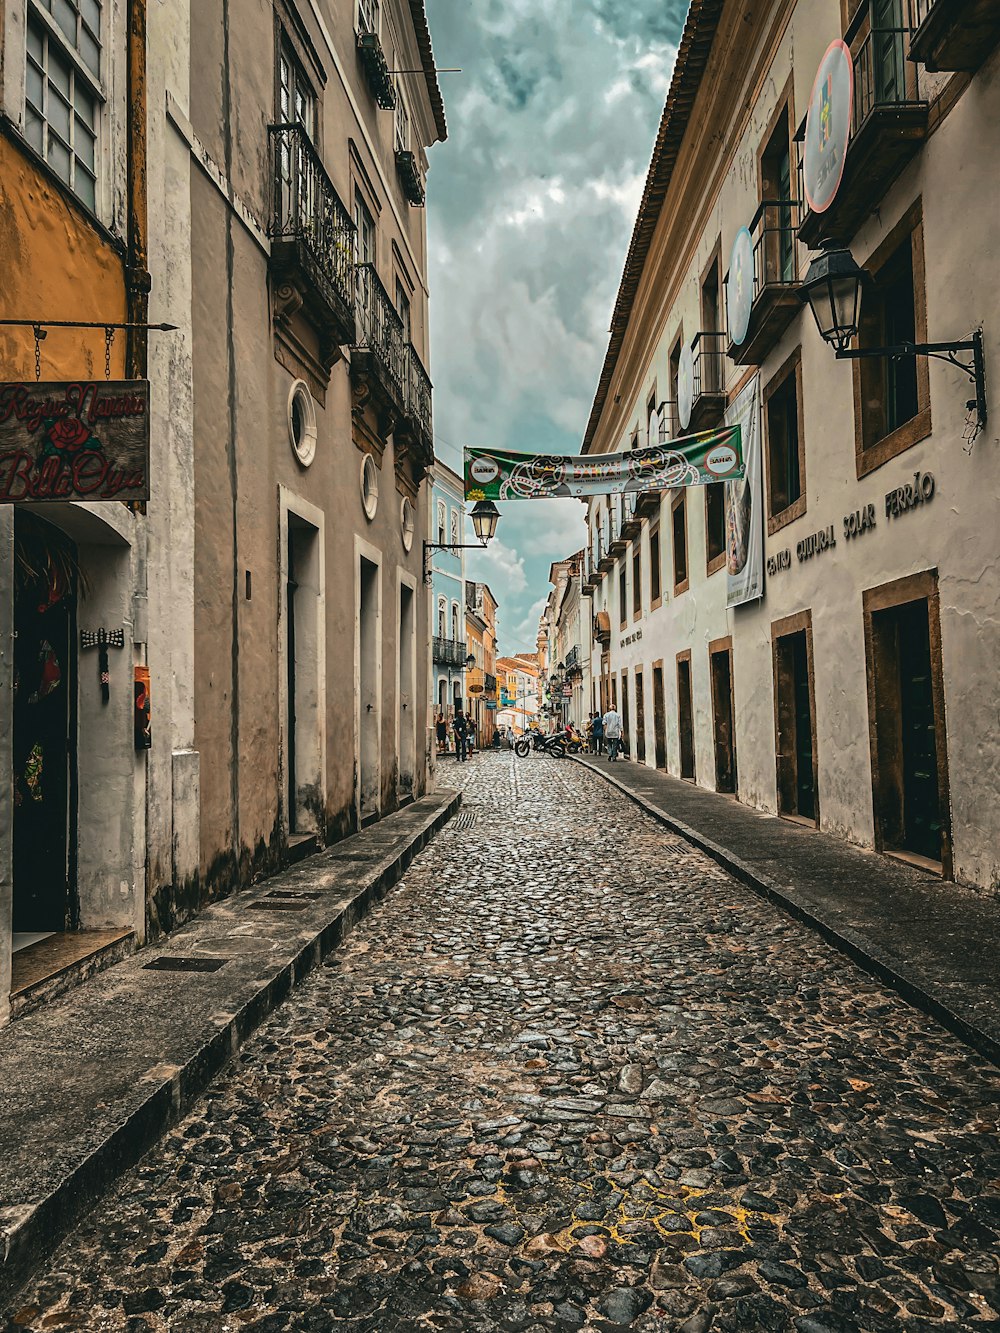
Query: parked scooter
(554, 745)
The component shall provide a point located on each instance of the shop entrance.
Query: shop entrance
(46, 576)
(659, 717)
(685, 715)
(721, 660)
(906, 707)
(795, 719)
(626, 724)
(640, 719)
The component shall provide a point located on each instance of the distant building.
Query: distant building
(481, 638)
(566, 632)
(517, 685)
(448, 644)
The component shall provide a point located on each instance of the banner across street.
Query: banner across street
(692, 460)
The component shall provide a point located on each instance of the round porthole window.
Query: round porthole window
(302, 422)
(406, 520)
(369, 485)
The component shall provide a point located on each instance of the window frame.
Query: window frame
(655, 566)
(622, 595)
(637, 580)
(442, 522)
(713, 563)
(791, 369)
(679, 501)
(870, 455)
(784, 110)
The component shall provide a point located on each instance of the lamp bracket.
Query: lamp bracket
(943, 351)
(430, 547)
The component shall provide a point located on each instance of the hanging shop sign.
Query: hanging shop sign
(745, 504)
(74, 441)
(685, 386)
(691, 460)
(739, 286)
(828, 127)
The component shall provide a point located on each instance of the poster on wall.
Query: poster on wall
(745, 504)
(74, 441)
(690, 460)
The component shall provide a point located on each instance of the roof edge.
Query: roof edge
(418, 13)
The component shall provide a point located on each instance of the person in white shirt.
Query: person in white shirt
(613, 732)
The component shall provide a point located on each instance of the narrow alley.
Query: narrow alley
(569, 1075)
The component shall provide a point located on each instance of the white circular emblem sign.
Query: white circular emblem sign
(828, 126)
(721, 460)
(739, 288)
(685, 386)
(484, 470)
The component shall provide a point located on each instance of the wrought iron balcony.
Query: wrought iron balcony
(708, 380)
(616, 542)
(954, 34)
(888, 125)
(418, 421)
(449, 652)
(409, 175)
(775, 302)
(312, 241)
(376, 69)
(378, 358)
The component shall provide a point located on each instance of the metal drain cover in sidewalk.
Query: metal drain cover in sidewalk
(291, 893)
(185, 964)
(278, 905)
(464, 819)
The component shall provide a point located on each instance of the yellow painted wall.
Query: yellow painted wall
(56, 264)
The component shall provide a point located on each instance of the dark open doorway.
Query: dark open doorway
(46, 581)
(685, 715)
(723, 720)
(795, 718)
(640, 718)
(659, 716)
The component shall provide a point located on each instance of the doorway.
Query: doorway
(906, 719)
(640, 719)
(44, 724)
(369, 691)
(685, 715)
(626, 725)
(659, 716)
(406, 694)
(795, 718)
(720, 655)
(303, 649)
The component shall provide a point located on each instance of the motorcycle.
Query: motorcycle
(553, 745)
(576, 742)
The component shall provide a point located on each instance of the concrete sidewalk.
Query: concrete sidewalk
(89, 1082)
(934, 942)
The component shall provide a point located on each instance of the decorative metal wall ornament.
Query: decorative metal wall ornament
(102, 640)
(691, 460)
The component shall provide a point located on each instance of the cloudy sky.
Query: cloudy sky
(531, 206)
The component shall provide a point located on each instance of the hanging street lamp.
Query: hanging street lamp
(485, 517)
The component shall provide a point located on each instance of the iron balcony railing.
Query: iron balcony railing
(308, 209)
(572, 659)
(708, 350)
(489, 683)
(882, 75)
(773, 229)
(418, 393)
(380, 330)
(449, 652)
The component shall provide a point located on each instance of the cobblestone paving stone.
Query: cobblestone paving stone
(570, 1075)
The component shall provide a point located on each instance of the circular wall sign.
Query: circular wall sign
(685, 386)
(739, 288)
(828, 125)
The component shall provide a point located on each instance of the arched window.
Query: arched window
(441, 512)
(454, 621)
(442, 617)
(456, 526)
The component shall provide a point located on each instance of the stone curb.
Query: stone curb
(30, 1232)
(879, 963)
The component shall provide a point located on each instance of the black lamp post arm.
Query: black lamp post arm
(944, 351)
(430, 547)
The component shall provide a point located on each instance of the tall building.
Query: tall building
(517, 686)
(481, 640)
(567, 631)
(821, 639)
(448, 646)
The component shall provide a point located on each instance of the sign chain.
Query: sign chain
(109, 337)
(39, 335)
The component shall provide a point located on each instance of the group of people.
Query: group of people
(462, 733)
(605, 730)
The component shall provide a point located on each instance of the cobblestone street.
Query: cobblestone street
(570, 1075)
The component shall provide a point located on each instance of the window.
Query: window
(715, 526)
(675, 365)
(368, 16)
(776, 191)
(406, 523)
(652, 422)
(623, 597)
(710, 355)
(637, 581)
(454, 621)
(442, 618)
(402, 125)
(365, 224)
(456, 526)
(302, 422)
(296, 99)
(369, 486)
(892, 400)
(62, 90)
(785, 446)
(441, 521)
(403, 309)
(655, 587)
(678, 518)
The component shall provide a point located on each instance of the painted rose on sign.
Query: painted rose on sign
(68, 433)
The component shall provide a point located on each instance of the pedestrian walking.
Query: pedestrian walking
(597, 734)
(441, 728)
(612, 726)
(460, 727)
